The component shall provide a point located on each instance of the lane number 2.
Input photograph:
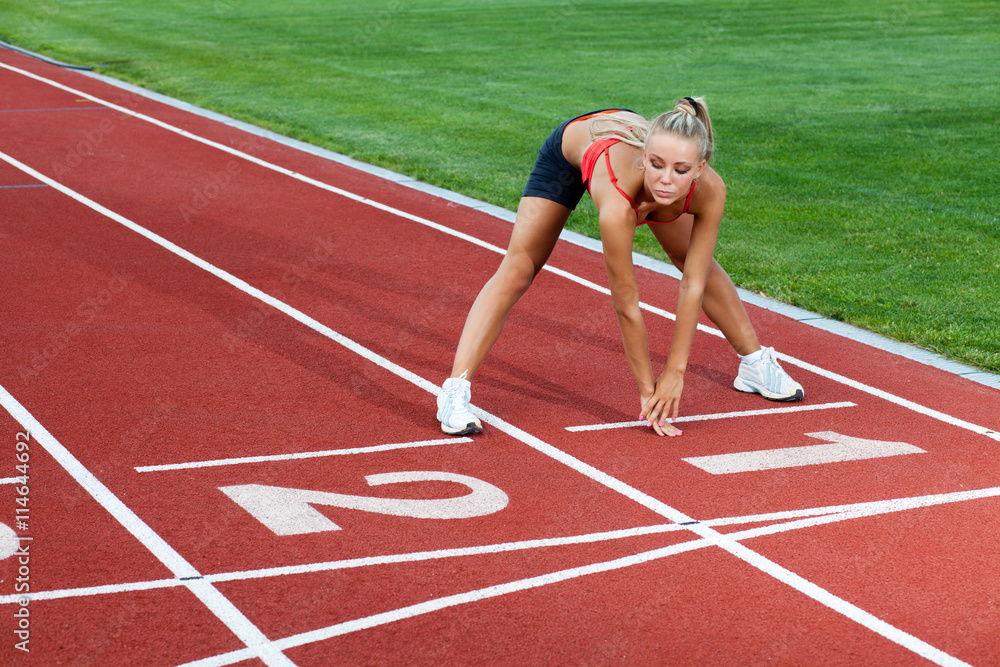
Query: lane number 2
(290, 511)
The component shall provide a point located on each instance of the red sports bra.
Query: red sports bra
(590, 157)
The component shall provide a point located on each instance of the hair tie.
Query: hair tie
(694, 105)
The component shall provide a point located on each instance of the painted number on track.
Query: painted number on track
(838, 448)
(289, 511)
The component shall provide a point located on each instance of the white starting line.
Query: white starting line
(300, 455)
(719, 415)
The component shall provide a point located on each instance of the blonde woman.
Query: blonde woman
(637, 173)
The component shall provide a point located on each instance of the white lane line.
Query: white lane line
(719, 415)
(454, 600)
(102, 494)
(842, 448)
(892, 398)
(11, 480)
(368, 561)
(87, 591)
(239, 284)
(257, 643)
(302, 455)
(792, 520)
(871, 507)
(910, 405)
(593, 473)
(819, 516)
(542, 543)
(255, 160)
(729, 542)
(828, 515)
(826, 598)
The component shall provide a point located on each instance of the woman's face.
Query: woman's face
(671, 164)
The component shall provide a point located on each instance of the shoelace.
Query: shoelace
(456, 396)
(769, 356)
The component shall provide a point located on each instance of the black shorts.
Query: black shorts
(553, 177)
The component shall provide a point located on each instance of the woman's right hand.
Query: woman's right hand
(658, 403)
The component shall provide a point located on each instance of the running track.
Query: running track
(219, 344)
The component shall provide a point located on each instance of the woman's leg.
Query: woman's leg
(759, 373)
(536, 229)
(721, 302)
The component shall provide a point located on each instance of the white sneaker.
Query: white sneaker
(453, 408)
(767, 378)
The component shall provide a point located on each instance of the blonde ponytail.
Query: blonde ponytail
(689, 120)
(628, 127)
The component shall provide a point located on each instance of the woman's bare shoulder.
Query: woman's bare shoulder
(625, 176)
(710, 185)
(709, 194)
(626, 161)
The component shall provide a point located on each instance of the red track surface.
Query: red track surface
(122, 352)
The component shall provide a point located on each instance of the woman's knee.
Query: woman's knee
(516, 273)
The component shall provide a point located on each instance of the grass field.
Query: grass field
(858, 140)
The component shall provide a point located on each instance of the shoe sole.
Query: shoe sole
(469, 429)
(750, 389)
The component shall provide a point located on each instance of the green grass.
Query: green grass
(858, 139)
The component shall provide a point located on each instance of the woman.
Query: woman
(637, 173)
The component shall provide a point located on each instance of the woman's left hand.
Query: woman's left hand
(664, 405)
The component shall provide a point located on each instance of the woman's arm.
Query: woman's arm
(617, 223)
(708, 210)
(617, 233)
